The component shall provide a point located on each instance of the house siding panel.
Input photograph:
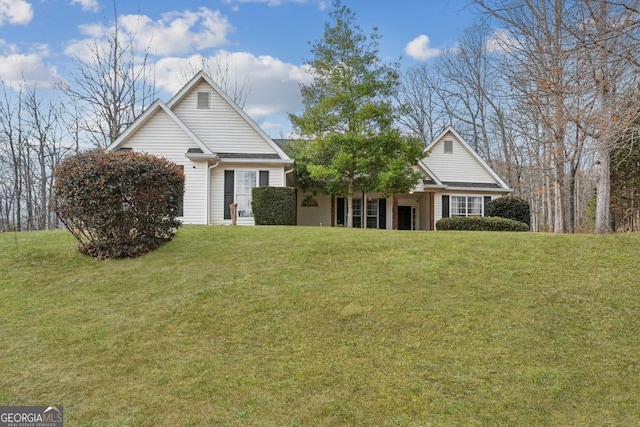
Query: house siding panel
(164, 138)
(276, 179)
(315, 216)
(459, 166)
(220, 127)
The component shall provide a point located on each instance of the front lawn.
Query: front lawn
(294, 326)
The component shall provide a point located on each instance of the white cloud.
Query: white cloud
(273, 84)
(502, 40)
(419, 49)
(268, 2)
(15, 12)
(173, 34)
(18, 68)
(87, 5)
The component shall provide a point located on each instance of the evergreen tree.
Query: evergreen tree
(348, 118)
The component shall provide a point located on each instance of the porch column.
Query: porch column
(432, 211)
(395, 211)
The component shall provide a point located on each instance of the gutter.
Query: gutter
(208, 210)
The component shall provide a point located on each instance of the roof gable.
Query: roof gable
(225, 127)
(146, 116)
(461, 165)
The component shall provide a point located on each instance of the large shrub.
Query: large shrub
(479, 223)
(118, 204)
(510, 207)
(274, 205)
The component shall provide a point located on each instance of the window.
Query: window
(357, 213)
(238, 186)
(466, 206)
(245, 181)
(372, 214)
(203, 100)
(448, 146)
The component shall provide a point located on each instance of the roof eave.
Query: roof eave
(202, 156)
(257, 161)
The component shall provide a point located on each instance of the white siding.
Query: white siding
(276, 179)
(315, 215)
(459, 166)
(220, 126)
(161, 136)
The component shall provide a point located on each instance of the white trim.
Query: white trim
(257, 161)
(204, 76)
(471, 151)
(146, 115)
(424, 166)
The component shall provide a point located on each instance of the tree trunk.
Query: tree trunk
(603, 198)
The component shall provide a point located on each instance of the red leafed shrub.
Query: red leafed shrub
(118, 204)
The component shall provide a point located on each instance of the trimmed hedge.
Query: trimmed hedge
(479, 223)
(274, 205)
(510, 207)
(118, 204)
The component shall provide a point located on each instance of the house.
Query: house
(456, 182)
(223, 152)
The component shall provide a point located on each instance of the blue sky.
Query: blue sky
(265, 41)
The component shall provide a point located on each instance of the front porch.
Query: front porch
(413, 211)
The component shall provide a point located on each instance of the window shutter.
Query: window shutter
(228, 193)
(487, 199)
(445, 206)
(340, 211)
(382, 213)
(264, 178)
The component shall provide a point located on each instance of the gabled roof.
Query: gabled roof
(158, 105)
(202, 76)
(473, 153)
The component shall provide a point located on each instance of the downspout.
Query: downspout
(209, 190)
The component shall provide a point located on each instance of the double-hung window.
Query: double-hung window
(466, 205)
(245, 181)
(372, 213)
(238, 186)
(357, 213)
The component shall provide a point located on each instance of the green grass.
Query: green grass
(268, 326)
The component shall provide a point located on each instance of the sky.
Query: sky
(265, 42)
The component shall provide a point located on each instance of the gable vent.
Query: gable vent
(448, 146)
(203, 100)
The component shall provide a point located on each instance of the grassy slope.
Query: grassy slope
(263, 326)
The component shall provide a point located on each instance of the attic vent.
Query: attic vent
(195, 150)
(448, 146)
(203, 100)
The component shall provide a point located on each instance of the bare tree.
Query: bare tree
(225, 75)
(112, 87)
(421, 110)
(31, 146)
(608, 34)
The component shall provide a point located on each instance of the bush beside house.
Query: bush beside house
(119, 204)
(274, 205)
(479, 223)
(511, 208)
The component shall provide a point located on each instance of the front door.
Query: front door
(404, 218)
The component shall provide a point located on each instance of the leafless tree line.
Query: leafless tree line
(31, 146)
(543, 89)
